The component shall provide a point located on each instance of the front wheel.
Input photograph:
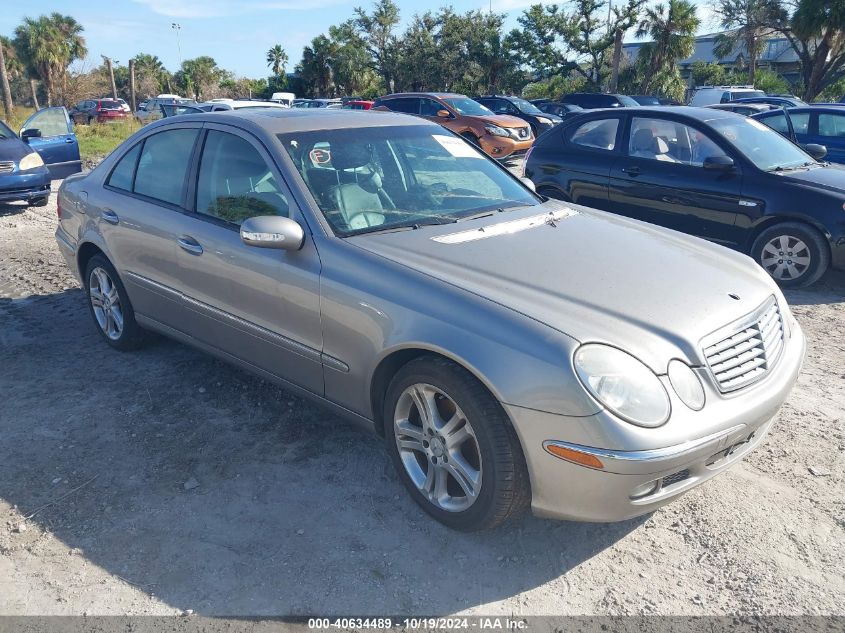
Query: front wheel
(794, 254)
(453, 446)
(110, 306)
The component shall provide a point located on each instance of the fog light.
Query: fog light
(686, 384)
(644, 490)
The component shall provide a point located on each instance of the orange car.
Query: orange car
(499, 135)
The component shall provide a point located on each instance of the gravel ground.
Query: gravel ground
(163, 480)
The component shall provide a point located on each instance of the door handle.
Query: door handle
(631, 171)
(189, 244)
(69, 140)
(110, 216)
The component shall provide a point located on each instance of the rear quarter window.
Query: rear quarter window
(595, 134)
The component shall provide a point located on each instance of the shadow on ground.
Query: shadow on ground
(218, 492)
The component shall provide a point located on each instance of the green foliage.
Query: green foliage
(672, 28)
(277, 59)
(747, 22)
(707, 74)
(554, 87)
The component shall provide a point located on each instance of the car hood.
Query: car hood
(14, 149)
(502, 120)
(829, 177)
(594, 276)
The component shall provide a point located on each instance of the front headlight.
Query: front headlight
(495, 130)
(623, 384)
(543, 120)
(31, 161)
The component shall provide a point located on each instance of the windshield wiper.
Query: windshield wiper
(404, 226)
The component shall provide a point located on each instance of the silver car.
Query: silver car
(511, 350)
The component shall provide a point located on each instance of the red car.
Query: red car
(358, 104)
(103, 110)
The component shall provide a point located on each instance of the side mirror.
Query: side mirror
(36, 133)
(528, 183)
(272, 231)
(719, 163)
(815, 150)
(443, 114)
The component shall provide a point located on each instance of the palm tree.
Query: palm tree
(748, 22)
(277, 59)
(151, 74)
(6, 45)
(48, 45)
(672, 28)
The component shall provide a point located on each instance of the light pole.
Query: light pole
(177, 27)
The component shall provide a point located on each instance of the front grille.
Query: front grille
(7, 166)
(744, 352)
(520, 133)
(675, 478)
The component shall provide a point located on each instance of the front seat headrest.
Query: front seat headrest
(350, 155)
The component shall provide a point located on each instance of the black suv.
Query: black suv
(591, 100)
(516, 106)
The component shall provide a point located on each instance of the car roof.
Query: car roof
(286, 120)
(699, 114)
(441, 95)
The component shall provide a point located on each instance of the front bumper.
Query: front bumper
(501, 147)
(623, 488)
(30, 185)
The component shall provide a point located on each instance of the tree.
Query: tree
(277, 59)
(816, 31)
(316, 67)
(748, 23)
(150, 74)
(377, 32)
(707, 73)
(48, 45)
(8, 108)
(672, 27)
(200, 77)
(554, 42)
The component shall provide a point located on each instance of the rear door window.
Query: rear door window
(163, 165)
(777, 122)
(832, 125)
(596, 134)
(123, 173)
(429, 107)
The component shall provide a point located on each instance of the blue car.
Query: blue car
(820, 125)
(46, 150)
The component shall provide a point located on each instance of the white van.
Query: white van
(283, 98)
(708, 95)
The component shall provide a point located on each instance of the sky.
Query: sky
(236, 33)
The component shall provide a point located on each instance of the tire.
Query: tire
(794, 254)
(471, 138)
(39, 202)
(90, 119)
(482, 448)
(112, 312)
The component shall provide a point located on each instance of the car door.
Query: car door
(138, 211)
(54, 141)
(829, 130)
(660, 179)
(575, 164)
(259, 305)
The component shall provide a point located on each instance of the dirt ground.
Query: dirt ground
(163, 480)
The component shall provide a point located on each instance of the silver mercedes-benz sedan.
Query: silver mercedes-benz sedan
(512, 350)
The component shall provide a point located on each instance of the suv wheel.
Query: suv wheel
(110, 306)
(453, 446)
(794, 254)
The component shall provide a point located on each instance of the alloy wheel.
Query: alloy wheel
(785, 257)
(105, 301)
(438, 447)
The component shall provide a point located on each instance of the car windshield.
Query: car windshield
(5, 132)
(390, 178)
(468, 107)
(646, 100)
(627, 101)
(764, 147)
(526, 106)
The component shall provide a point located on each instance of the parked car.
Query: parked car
(707, 95)
(99, 110)
(521, 109)
(740, 107)
(817, 125)
(776, 101)
(358, 104)
(510, 350)
(46, 149)
(300, 103)
(284, 98)
(560, 110)
(124, 106)
(592, 100)
(669, 101)
(150, 110)
(322, 103)
(177, 109)
(713, 174)
(647, 100)
(500, 136)
(238, 104)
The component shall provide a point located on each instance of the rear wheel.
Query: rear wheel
(453, 446)
(794, 254)
(39, 202)
(110, 306)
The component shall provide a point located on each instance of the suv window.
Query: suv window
(429, 107)
(800, 122)
(163, 164)
(122, 174)
(777, 122)
(408, 105)
(598, 134)
(235, 182)
(831, 125)
(670, 141)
